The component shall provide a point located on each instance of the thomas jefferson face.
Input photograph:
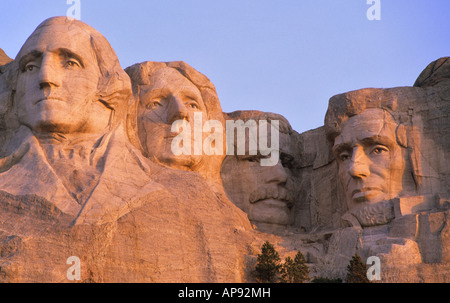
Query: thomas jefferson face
(168, 98)
(371, 162)
(57, 82)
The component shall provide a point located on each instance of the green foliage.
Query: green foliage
(295, 271)
(268, 264)
(356, 271)
(269, 269)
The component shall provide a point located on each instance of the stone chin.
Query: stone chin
(182, 162)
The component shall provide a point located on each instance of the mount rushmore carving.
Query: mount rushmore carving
(140, 174)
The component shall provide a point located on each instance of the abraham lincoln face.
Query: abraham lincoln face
(370, 160)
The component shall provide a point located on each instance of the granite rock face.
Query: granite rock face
(137, 175)
(267, 193)
(4, 59)
(392, 152)
(73, 183)
(167, 239)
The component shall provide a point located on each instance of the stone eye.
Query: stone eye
(153, 105)
(72, 63)
(192, 105)
(29, 67)
(344, 156)
(378, 150)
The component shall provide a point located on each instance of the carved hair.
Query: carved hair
(343, 106)
(283, 124)
(245, 115)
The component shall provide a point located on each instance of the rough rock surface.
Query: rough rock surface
(4, 57)
(96, 181)
(168, 239)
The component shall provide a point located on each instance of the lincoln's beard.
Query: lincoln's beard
(374, 214)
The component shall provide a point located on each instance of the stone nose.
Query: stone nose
(359, 164)
(276, 174)
(177, 110)
(49, 76)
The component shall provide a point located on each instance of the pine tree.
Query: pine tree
(357, 271)
(287, 271)
(268, 264)
(295, 271)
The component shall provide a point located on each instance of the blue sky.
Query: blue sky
(282, 56)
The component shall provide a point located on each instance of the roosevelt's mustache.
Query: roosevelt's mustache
(271, 192)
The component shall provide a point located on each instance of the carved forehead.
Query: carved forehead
(169, 77)
(60, 34)
(373, 124)
(141, 73)
(344, 106)
(245, 115)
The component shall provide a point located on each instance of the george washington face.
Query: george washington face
(57, 83)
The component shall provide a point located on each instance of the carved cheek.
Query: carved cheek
(397, 169)
(381, 175)
(343, 174)
(27, 85)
